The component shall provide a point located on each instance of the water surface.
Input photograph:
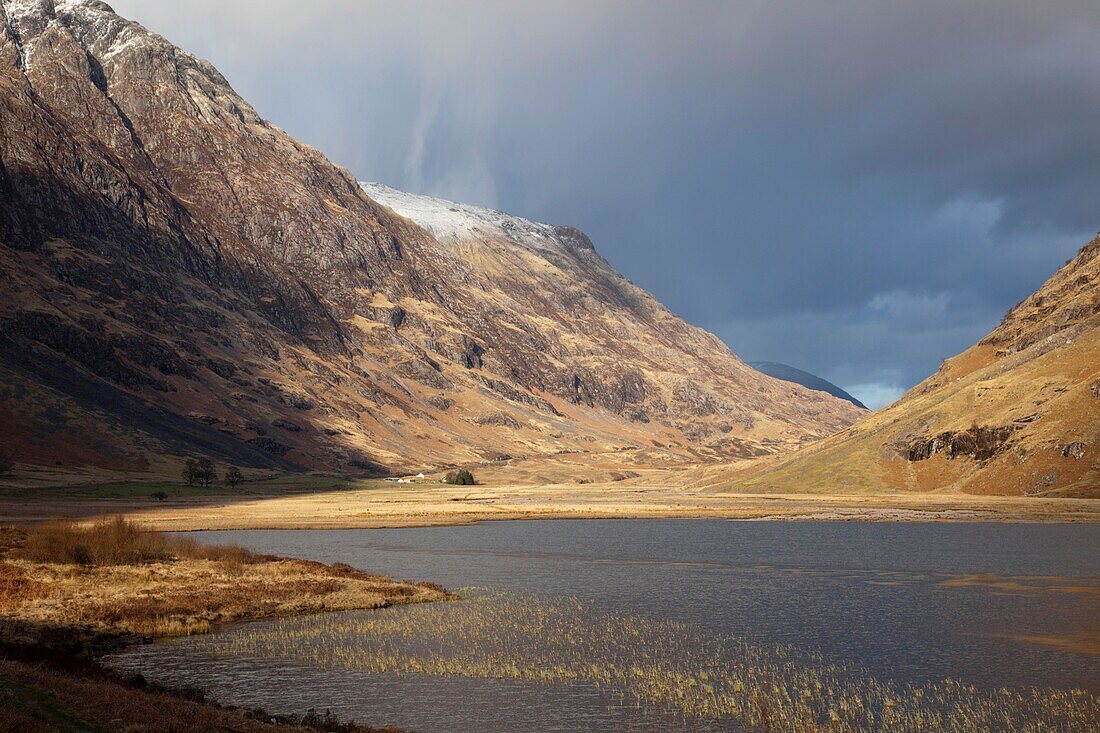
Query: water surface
(993, 605)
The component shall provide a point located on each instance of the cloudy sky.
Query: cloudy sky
(858, 188)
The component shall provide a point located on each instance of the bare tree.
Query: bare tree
(233, 477)
(191, 472)
(207, 473)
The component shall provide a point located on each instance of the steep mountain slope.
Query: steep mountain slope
(791, 374)
(1018, 413)
(626, 352)
(181, 276)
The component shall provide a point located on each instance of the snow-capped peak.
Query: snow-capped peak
(98, 28)
(450, 220)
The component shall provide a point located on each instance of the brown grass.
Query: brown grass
(113, 576)
(16, 586)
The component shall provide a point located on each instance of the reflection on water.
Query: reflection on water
(890, 608)
(1027, 584)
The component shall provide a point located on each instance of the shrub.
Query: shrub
(159, 495)
(462, 477)
(119, 541)
(7, 463)
(105, 542)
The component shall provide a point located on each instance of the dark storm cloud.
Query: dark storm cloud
(859, 189)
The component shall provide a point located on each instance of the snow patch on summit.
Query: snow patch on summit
(94, 25)
(450, 220)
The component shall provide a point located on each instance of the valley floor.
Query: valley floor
(325, 503)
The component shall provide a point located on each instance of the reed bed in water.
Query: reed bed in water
(650, 664)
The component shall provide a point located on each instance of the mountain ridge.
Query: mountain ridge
(165, 245)
(788, 373)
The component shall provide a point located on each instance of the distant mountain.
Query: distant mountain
(1017, 413)
(182, 277)
(790, 374)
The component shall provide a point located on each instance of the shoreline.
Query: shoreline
(939, 518)
(60, 619)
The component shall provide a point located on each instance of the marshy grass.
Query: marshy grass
(650, 668)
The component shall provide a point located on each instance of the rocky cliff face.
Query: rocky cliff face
(1017, 413)
(181, 276)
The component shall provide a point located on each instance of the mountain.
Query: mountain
(182, 277)
(1018, 413)
(812, 381)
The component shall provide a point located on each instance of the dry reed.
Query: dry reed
(672, 668)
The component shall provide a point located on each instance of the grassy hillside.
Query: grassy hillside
(1017, 414)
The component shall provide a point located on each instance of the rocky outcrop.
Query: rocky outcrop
(1075, 450)
(979, 443)
(498, 419)
(1070, 299)
(162, 239)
